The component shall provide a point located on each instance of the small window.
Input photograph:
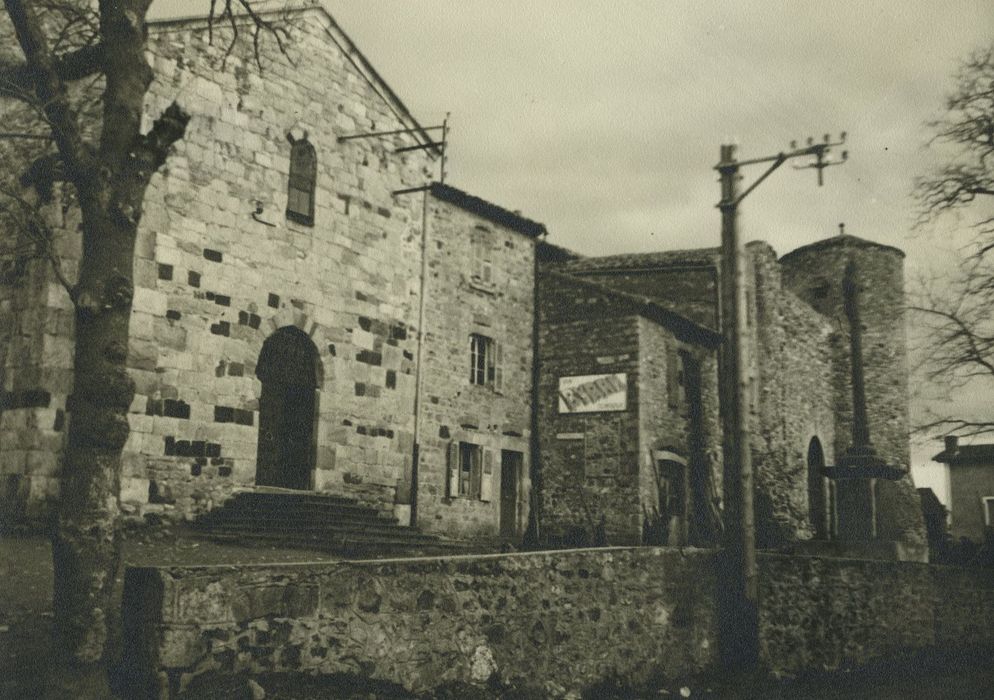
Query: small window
(470, 471)
(483, 265)
(303, 179)
(486, 362)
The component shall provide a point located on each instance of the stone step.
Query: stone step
(249, 527)
(316, 503)
(346, 545)
(291, 520)
(305, 512)
(316, 521)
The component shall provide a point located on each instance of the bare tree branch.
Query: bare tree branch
(954, 311)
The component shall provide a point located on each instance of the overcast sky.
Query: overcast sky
(603, 120)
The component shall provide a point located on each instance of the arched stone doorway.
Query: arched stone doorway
(817, 512)
(290, 372)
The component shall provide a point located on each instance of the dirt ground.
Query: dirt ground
(26, 622)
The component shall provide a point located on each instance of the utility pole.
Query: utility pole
(739, 612)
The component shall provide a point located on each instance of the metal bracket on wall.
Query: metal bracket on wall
(437, 145)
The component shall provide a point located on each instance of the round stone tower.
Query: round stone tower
(815, 273)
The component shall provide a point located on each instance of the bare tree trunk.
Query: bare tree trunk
(110, 181)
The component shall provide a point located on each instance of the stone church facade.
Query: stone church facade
(312, 312)
(294, 323)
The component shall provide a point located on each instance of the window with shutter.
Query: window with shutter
(302, 182)
(469, 474)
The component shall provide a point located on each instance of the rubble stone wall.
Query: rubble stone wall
(549, 622)
(589, 461)
(792, 401)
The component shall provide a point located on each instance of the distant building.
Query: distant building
(970, 475)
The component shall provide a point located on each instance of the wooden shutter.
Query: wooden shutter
(498, 355)
(453, 466)
(487, 480)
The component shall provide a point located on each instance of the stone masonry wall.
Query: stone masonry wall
(815, 274)
(667, 417)
(452, 409)
(587, 471)
(36, 319)
(549, 622)
(553, 623)
(792, 402)
(589, 461)
(219, 267)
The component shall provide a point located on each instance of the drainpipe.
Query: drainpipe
(418, 374)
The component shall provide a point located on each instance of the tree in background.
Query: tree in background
(80, 80)
(956, 312)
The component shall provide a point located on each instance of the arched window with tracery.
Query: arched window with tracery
(303, 179)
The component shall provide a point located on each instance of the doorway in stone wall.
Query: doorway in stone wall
(510, 468)
(289, 369)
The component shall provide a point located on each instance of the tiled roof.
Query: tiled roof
(694, 257)
(683, 327)
(967, 454)
(486, 209)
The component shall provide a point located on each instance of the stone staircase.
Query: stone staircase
(318, 521)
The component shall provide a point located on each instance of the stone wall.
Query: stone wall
(548, 622)
(815, 274)
(601, 464)
(451, 408)
(792, 403)
(36, 318)
(220, 267)
(589, 462)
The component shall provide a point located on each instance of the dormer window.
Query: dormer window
(303, 179)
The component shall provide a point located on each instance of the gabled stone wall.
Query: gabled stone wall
(220, 267)
(223, 268)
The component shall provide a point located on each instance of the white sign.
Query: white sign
(593, 392)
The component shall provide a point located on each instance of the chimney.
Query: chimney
(952, 443)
